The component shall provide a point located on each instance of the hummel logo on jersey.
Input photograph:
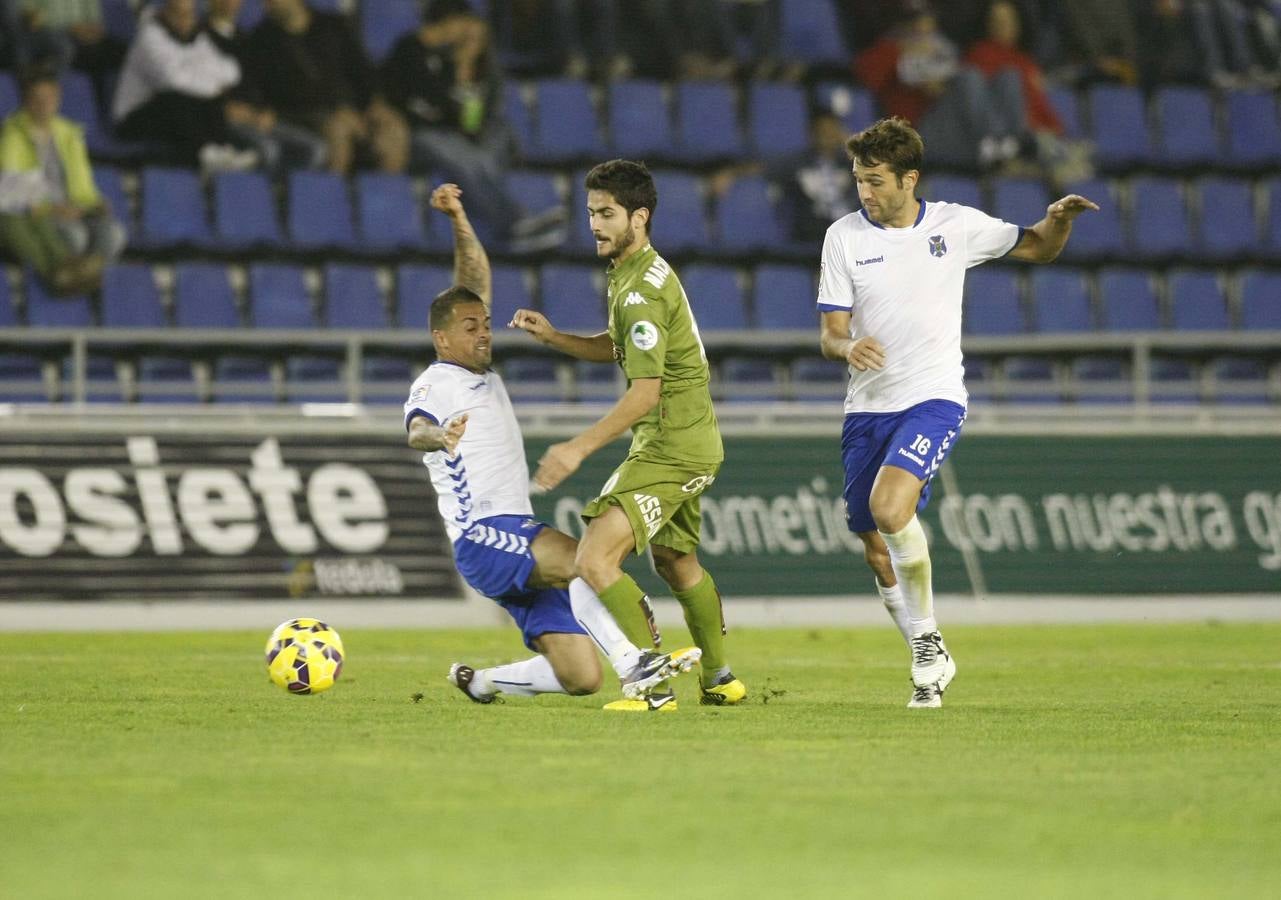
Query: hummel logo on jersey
(868, 262)
(634, 299)
(938, 246)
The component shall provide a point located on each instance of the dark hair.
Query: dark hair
(629, 183)
(38, 73)
(891, 141)
(442, 307)
(439, 10)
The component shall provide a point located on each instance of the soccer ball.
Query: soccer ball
(304, 656)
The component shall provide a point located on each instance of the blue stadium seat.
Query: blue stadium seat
(119, 19)
(1228, 228)
(784, 297)
(746, 219)
(44, 310)
(111, 187)
(572, 299)
(1060, 301)
(1067, 104)
(173, 209)
(8, 94)
(416, 287)
(315, 379)
(579, 238)
(1261, 299)
(245, 211)
(1197, 301)
(166, 379)
(1160, 224)
(778, 120)
(1173, 381)
(707, 128)
(1186, 133)
(1128, 300)
(1272, 230)
(810, 32)
(640, 123)
(320, 211)
(1118, 126)
(953, 189)
(1253, 129)
(992, 305)
(818, 379)
(8, 313)
(566, 129)
(388, 213)
(279, 297)
(242, 379)
(1238, 379)
(130, 298)
(203, 297)
(532, 379)
(854, 105)
(681, 222)
(1102, 379)
(1022, 201)
(715, 296)
(520, 122)
(534, 192)
(384, 22)
(1096, 235)
(80, 104)
(1030, 379)
(981, 378)
(352, 298)
(747, 378)
(511, 292)
(251, 14)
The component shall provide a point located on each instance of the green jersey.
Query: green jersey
(655, 336)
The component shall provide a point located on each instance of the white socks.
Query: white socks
(892, 597)
(910, 557)
(524, 679)
(600, 626)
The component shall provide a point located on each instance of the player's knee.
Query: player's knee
(889, 515)
(579, 683)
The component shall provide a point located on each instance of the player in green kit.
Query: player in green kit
(651, 500)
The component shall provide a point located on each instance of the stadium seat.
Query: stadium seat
(640, 125)
(747, 378)
(778, 122)
(1060, 301)
(1066, 103)
(746, 219)
(1228, 228)
(416, 287)
(251, 14)
(594, 381)
(130, 298)
(511, 292)
(22, 378)
(388, 213)
(111, 186)
(8, 94)
(681, 222)
(243, 379)
(578, 240)
(119, 19)
(315, 379)
(203, 297)
(1173, 380)
(1096, 235)
(1101, 379)
(44, 310)
(1197, 301)
(245, 211)
(566, 128)
(1118, 127)
(1272, 229)
(1186, 135)
(1253, 130)
(810, 32)
(854, 105)
(520, 122)
(715, 296)
(352, 297)
(572, 299)
(384, 22)
(532, 379)
(1022, 201)
(1128, 300)
(8, 312)
(1239, 379)
(707, 128)
(166, 379)
(80, 104)
(820, 380)
(1160, 224)
(784, 297)
(320, 211)
(1261, 299)
(534, 192)
(279, 297)
(992, 305)
(1030, 379)
(953, 189)
(173, 209)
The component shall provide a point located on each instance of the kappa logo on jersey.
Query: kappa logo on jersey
(938, 246)
(651, 512)
(644, 335)
(634, 299)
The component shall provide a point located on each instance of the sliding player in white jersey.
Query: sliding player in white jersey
(890, 299)
(458, 413)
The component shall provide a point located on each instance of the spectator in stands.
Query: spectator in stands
(444, 79)
(1240, 41)
(309, 69)
(1100, 36)
(51, 214)
(1169, 52)
(61, 33)
(174, 87)
(966, 118)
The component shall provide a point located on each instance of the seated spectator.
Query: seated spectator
(965, 118)
(51, 214)
(1169, 52)
(1099, 36)
(1240, 40)
(308, 69)
(444, 79)
(61, 33)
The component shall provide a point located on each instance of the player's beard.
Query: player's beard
(622, 243)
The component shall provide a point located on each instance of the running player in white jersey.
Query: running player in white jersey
(890, 300)
(459, 415)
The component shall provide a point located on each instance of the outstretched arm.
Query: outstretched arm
(593, 348)
(563, 459)
(1044, 241)
(471, 262)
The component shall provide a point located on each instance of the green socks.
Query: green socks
(706, 621)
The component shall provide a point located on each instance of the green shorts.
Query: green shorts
(661, 501)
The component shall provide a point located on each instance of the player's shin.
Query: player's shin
(895, 605)
(706, 620)
(631, 609)
(601, 627)
(526, 678)
(910, 556)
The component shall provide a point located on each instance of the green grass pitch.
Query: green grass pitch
(1069, 761)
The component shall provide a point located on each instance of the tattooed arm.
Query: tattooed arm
(471, 263)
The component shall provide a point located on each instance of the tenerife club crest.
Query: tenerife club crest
(938, 246)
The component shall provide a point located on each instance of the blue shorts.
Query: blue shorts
(917, 439)
(493, 556)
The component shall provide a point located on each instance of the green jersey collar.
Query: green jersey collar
(637, 262)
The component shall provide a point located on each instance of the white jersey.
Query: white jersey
(903, 287)
(486, 475)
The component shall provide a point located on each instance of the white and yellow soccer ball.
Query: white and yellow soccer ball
(304, 656)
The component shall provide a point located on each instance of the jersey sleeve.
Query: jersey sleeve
(835, 287)
(988, 237)
(642, 320)
(432, 398)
